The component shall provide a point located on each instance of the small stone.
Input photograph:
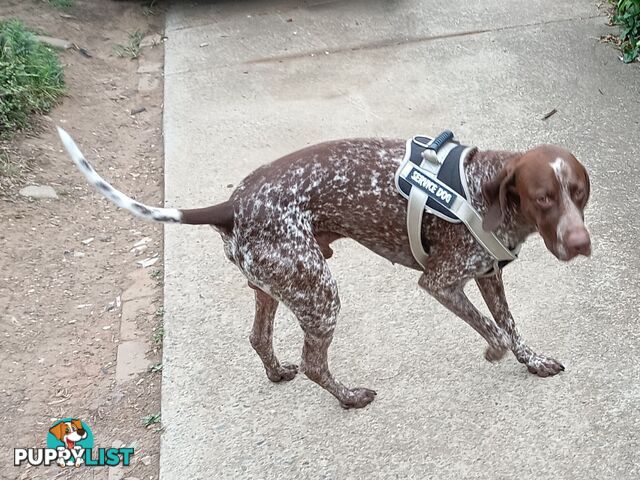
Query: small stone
(147, 262)
(151, 40)
(54, 42)
(149, 67)
(141, 242)
(39, 192)
(146, 460)
(87, 241)
(114, 305)
(204, 44)
(138, 250)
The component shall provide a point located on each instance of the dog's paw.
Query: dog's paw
(283, 373)
(542, 366)
(357, 398)
(493, 354)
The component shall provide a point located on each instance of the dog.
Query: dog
(69, 433)
(278, 224)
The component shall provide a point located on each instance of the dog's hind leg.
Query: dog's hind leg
(297, 274)
(262, 338)
(317, 316)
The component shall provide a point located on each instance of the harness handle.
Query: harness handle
(440, 140)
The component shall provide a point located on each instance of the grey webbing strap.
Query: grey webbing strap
(415, 211)
(418, 201)
(472, 219)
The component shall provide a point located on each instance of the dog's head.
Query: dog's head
(549, 188)
(69, 432)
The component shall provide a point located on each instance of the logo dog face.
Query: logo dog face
(69, 432)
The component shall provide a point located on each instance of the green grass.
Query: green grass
(12, 168)
(132, 48)
(62, 4)
(627, 15)
(8, 168)
(156, 367)
(149, 8)
(156, 274)
(31, 77)
(151, 419)
(158, 334)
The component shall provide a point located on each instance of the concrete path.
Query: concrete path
(249, 81)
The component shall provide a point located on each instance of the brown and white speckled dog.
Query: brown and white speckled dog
(278, 225)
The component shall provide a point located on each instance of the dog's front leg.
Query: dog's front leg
(492, 290)
(452, 296)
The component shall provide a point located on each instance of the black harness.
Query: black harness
(432, 178)
(448, 173)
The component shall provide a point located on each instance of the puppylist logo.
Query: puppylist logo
(70, 443)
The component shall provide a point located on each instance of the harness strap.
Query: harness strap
(472, 219)
(436, 152)
(415, 211)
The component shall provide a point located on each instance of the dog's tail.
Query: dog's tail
(220, 215)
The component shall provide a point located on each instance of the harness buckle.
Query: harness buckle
(430, 154)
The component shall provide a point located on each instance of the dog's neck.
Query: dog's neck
(482, 167)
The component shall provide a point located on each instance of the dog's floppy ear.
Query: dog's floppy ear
(58, 430)
(495, 193)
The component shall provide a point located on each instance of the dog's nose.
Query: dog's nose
(578, 242)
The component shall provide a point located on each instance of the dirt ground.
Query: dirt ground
(62, 294)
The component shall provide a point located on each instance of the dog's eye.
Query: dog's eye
(578, 194)
(544, 201)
